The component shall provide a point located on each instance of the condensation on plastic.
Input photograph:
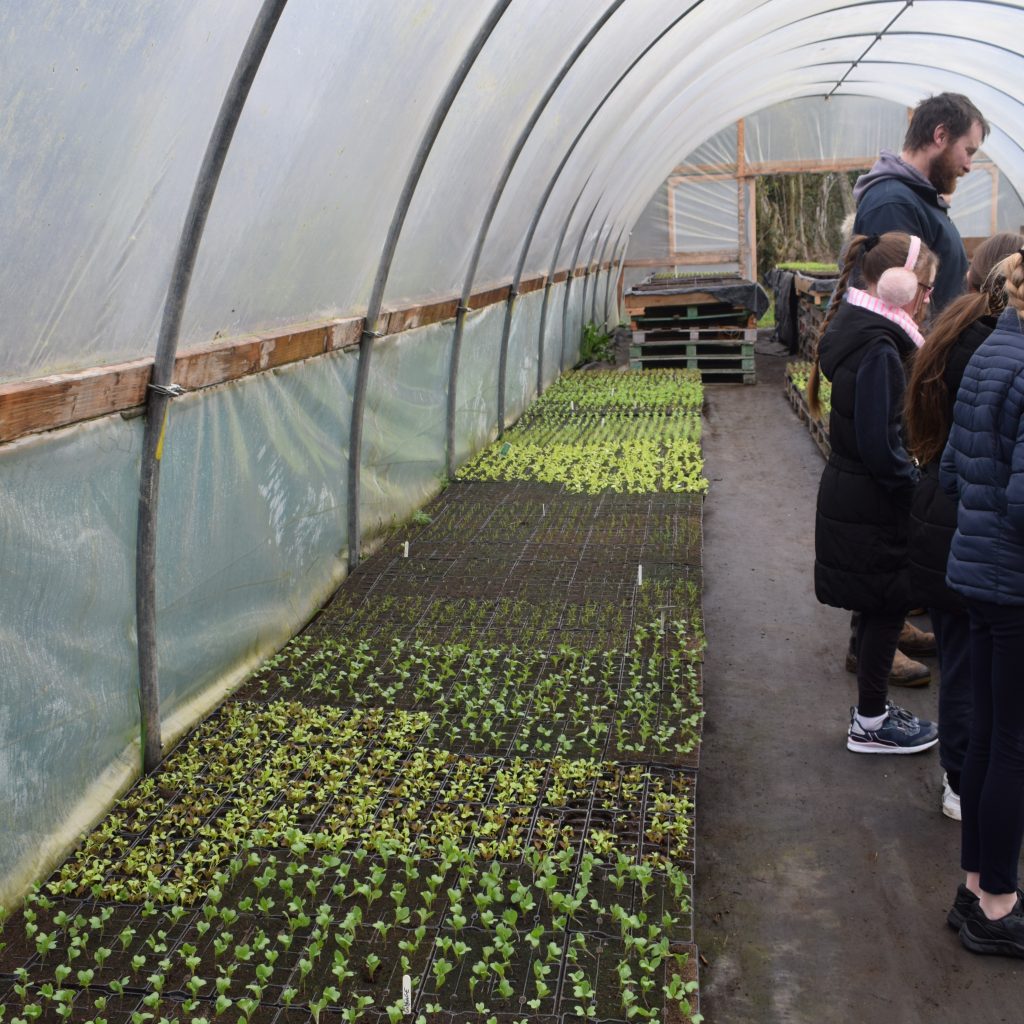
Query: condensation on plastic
(403, 457)
(107, 112)
(69, 717)
(252, 518)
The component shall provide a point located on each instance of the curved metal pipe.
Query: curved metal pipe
(573, 263)
(546, 195)
(355, 444)
(481, 237)
(161, 389)
(590, 269)
(612, 277)
(600, 263)
(547, 289)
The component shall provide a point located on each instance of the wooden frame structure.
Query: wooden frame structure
(745, 175)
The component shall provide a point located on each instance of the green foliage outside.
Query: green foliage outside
(810, 267)
(595, 345)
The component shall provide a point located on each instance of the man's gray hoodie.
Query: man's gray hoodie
(896, 196)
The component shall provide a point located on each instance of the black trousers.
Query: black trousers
(877, 636)
(952, 641)
(992, 786)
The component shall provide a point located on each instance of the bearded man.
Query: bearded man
(909, 192)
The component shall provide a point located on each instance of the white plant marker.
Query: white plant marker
(406, 993)
(639, 575)
(543, 510)
(406, 553)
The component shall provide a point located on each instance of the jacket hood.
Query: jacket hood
(889, 165)
(850, 329)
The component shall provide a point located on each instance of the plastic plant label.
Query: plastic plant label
(639, 575)
(405, 553)
(406, 993)
(505, 448)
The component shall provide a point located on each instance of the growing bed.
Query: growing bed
(464, 793)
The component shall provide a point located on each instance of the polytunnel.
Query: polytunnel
(274, 271)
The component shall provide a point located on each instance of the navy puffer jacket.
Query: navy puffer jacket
(983, 467)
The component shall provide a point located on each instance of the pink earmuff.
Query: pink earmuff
(898, 285)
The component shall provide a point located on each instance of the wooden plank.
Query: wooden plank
(638, 303)
(59, 400)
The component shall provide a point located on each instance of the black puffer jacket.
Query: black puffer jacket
(863, 509)
(933, 514)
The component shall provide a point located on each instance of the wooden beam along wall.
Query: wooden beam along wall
(59, 400)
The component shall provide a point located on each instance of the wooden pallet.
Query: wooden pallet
(815, 427)
(722, 355)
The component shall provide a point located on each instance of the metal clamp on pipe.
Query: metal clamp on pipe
(167, 390)
(463, 310)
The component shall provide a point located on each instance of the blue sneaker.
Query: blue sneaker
(900, 733)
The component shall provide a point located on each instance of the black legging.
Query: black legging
(877, 636)
(992, 786)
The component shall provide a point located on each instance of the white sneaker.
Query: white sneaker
(950, 800)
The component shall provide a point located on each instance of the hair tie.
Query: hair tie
(870, 242)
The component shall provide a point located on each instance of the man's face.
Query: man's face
(953, 160)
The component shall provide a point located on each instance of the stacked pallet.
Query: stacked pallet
(813, 293)
(706, 323)
(797, 378)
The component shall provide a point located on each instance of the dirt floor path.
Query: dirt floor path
(823, 877)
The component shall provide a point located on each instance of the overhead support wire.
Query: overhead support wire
(481, 237)
(161, 388)
(423, 151)
(877, 38)
(506, 329)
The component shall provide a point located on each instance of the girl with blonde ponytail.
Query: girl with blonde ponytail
(982, 468)
(863, 506)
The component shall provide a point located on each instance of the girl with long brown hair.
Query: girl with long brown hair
(938, 368)
(863, 506)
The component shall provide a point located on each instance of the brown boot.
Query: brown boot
(904, 671)
(916, 642)
(908, 673)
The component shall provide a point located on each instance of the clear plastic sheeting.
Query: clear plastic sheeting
(104, 129)
(521, 374)
(319, 159)
(697, 209)
(69, 717)
(403, 457)
(844, 128)
(476, 407)
(473, 147)
(253, 519)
